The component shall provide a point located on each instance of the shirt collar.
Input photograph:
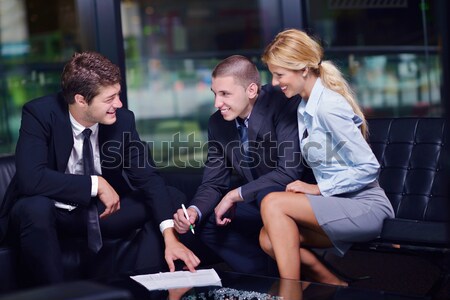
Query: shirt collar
(310, 106)
(245, 121)
(77, 128)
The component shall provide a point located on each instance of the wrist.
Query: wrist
(237, 197)
(166, 224)
(169, 236)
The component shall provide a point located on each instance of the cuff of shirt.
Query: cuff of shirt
(199, 213)
(94, 187)
(326, 188)
(240, 192)
(166, 224)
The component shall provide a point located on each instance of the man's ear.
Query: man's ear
(79, 99)
(252, 90)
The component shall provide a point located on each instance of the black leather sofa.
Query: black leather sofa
(414, 160)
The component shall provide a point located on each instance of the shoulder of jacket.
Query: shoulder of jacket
(47, 104)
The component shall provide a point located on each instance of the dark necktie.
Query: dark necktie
(243, 135)
(248, 161)
(93, 226)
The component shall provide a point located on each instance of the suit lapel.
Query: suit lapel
(104, 135)
(255, 123)
(63, 137)
(231, 140)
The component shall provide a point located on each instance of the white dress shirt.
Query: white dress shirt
(75, 163)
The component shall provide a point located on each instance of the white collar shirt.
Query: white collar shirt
(75, 163)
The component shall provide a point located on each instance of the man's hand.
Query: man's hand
(303, 187)
(176, 250)
(181, 223)
(227, 205)
(108, 196)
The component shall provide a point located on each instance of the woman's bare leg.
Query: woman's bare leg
(317, 271)
(265, 243)
(312, 266)
(282, 214)
(284, 236)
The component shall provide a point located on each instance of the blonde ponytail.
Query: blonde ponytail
(333, 79)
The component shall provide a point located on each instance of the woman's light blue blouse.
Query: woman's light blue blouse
(333, 146)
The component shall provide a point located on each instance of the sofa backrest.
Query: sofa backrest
(412, 153)
(7, 171)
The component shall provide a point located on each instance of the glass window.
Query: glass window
(374, 23)
(387, 49)
(403, 84)
(171, 47)
(35, 41)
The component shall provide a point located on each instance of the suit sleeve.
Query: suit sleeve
(140, 169)
(216, 176)
(34, 177)
(289, 167)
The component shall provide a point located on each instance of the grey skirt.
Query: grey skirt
(352, 217)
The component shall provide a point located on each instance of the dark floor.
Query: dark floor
(403, 274)
(391, 272)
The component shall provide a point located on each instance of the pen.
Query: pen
(187, 217)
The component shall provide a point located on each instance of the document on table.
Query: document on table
(169, 280)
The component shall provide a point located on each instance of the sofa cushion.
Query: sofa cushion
(416, 232)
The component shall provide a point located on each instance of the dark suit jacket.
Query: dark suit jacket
(45, 144)
(274, 144)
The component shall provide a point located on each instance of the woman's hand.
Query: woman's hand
(225, 209)
(303, 187)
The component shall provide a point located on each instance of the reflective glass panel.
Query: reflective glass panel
(35, 41)
(374, 23)
(389, 51)
(171, 48)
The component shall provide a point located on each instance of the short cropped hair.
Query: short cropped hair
(242, 69)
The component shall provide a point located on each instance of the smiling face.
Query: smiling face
(291, 82)
(101, 109)
(231, 98)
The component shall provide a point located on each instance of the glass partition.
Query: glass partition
(171, 48)
(35, 41)
(403, 84)
(388, 50)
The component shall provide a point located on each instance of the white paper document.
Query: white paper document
(169, 280)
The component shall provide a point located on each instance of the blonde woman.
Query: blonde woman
(346, 205)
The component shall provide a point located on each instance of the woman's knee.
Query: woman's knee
(270, 204)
